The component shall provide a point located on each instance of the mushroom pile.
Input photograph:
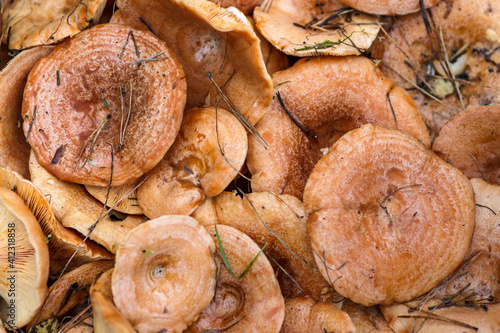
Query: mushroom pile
(250, 166)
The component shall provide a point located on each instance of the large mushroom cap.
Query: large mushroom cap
(28, 23)
(389, 7)
(24, 261)
(309, 28)
(388, 218)
(470, 142)
(164, 274)
(98, 90)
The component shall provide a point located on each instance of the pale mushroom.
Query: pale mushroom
(247, 298)
(317, 101)
(27, 24)
(390, 7)
(111, 98)
(76, 209)
(165, 274)
(388, 219)
(14, 151)
(309, 28)
(207, 38)
(122, 198)
(206, 156)
(24, 261)
(107, 318)
(470, 142)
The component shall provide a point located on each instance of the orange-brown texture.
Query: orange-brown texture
(389, 7)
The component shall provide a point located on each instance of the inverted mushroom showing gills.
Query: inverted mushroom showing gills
(110, 97)
(24, 261)
(388, 218)
(165, 274)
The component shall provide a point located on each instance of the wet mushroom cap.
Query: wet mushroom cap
(24, 261)
(388, 218)
(389, 7)
(98, 90)
(164, 274)
(470, 142)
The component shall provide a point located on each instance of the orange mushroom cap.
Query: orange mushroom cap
(366, 319)
(388, 218)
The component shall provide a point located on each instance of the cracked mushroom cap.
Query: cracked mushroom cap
(389, 7)
(165, 274)
(252, 303)
(107, 318)
(304, 314)
(62, 242)
(470, 142)
(327, 97)
(14, 151)
(116, 199)
(30, 23)
(76, 209)
(75, 106)
(303, 29)
(208, 38)
(206, 156)
(284, 215)
(388, 219)
(24, 261)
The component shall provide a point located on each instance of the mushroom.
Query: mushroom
(107, 318)
(366, 319)
(323, 98)
(62, 242)
(247, 297)
(110, 100)
(206, 156)
(76, 209)
(279, 222)
(117, 197)
(14, 151)
(24, 261)
(390, 7)
(304, 314)
(413, 58)
(308, 28)
(388, 219)
(207, 38)
(246, 6)
(165, 274)
(470, 142)
(28, 24)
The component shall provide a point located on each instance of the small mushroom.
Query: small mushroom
(390, 7)
(309, 28)
(107, 318)
(14, 151)
(206, 156)
(304, 314)
(248, 297)
(388, 219)
(366, 319)
(208, 38)
(470, 142)
(115, 198)
(165, 274)
(24, 261)
(109, 99)
(76, 209)
(28, 24)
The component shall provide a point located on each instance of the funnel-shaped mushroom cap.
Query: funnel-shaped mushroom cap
(328, 97)
(206, 156)
(47, 22)
(24, 261)
(366, 319)
(303, 314)
(388, 218)
(304, 28)
(107, 318)
(252, 303)
(471, 143)
(208, 38)
(164, 274)
(62, 242)
(99, 90)
(389, 7)
(14, 151)
(76, 209)
(116, 199)
(259, 215)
